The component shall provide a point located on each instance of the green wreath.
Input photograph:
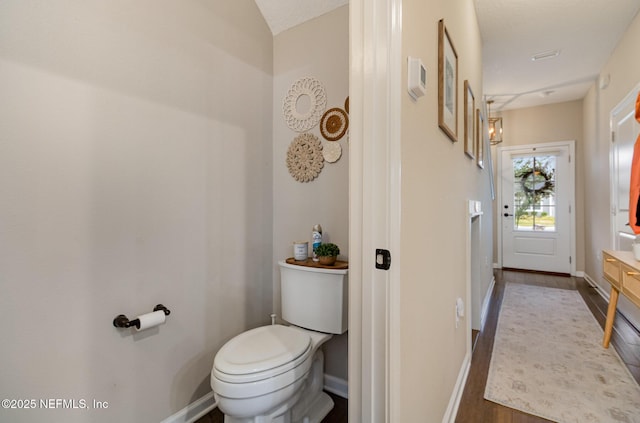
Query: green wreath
(536, 182)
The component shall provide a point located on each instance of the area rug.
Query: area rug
(548, 361)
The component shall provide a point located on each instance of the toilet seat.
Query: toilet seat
(261, 360)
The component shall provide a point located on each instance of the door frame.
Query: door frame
(572, 194)
(375, 75)
(613, 189)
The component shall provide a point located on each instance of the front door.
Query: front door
(537, 191)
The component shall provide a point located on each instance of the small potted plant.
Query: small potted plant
(327, 253)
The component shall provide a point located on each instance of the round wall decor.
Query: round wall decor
(304, 104)
(537, 182)
(332, 152)
(334, 124)
(304, 157)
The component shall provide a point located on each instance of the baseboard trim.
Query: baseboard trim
(597, 287)
(606, 295)
(193, 411)
(204, 405)
(336, 385)
(486, 301)
(456, 396)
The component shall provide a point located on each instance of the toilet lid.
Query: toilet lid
(261, 349)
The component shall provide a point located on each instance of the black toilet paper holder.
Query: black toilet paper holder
(122, 321)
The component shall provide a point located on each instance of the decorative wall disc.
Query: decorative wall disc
(304, 157)
(346, 105)
(299, 115)
(332, 151)
(334, 124)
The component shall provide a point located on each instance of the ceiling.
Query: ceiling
(583, 32)
(284, 14)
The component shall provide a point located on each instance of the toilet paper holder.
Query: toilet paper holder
(122, 321)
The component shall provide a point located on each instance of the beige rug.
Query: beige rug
(548, 361)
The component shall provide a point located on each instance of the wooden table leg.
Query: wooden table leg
(611, 314)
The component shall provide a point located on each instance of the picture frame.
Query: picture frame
(447, 83)
(469, 121)
(480, 139)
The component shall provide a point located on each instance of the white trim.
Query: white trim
(202, 406)
(456, 396)
(613, 189)
(193, 411)
(597, 287)
(374, 192)
(336, 385)
(579, 274)
(497, 265)
(606, 295)
(394, 202)
(485, 303)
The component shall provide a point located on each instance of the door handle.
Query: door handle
(507, 215)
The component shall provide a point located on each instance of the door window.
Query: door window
(534, 193)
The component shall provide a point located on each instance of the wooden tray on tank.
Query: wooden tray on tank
(310, 263)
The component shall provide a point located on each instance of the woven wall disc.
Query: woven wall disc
(301, 119)
(304, 157)
(334, 124)
(346, 105)
(332, 152)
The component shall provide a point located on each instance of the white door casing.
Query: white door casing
(374, 204)
(624, 131)
(528, 237)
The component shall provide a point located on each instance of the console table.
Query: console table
(622, 271)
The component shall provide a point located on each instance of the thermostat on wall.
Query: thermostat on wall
(417, 85)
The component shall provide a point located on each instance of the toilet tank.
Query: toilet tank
(314, 298)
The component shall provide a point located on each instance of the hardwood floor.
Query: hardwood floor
(339, 413)
(473, 407)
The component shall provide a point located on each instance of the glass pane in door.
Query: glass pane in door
(534, 193)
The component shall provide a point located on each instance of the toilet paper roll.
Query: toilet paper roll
(151, 320)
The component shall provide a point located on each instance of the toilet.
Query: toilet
(274, 374)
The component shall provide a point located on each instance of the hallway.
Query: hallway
(473, 407)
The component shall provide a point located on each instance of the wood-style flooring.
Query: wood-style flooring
(339, 414)
(473, 407)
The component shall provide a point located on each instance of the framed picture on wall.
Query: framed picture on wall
(479, 139)
(469, 118)
(447, 84)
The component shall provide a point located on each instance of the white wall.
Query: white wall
(437, 180)
(135, 169)
(318, 48)
(623, 68)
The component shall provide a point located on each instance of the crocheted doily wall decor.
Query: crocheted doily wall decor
(332, 151)
(304, 157)
(334, 124)
(298, 116)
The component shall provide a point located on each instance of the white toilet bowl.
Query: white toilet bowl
(267, 375)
